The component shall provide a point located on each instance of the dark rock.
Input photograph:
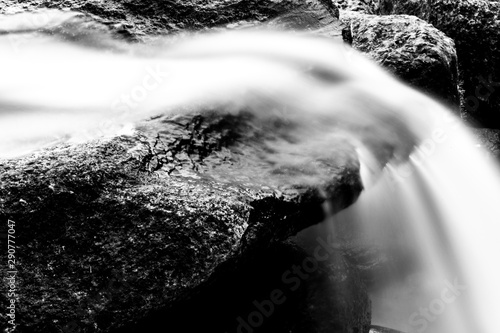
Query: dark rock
(410, 48)
(418, 8)
(474, 25)
(114, 230)
(361, 6)
(169, 219)
(310, 16)
(142, 20)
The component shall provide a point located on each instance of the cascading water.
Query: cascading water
(429, 202)
(436, 219)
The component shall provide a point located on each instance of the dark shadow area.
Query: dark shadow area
(278, 289)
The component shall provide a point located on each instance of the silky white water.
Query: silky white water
(430, 199)
(437, 218)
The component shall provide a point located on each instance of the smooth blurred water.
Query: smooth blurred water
(434, 223)
(430, 202)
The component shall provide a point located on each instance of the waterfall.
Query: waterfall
(434, 219)
(430, 202)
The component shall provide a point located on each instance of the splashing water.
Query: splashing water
(429, 202)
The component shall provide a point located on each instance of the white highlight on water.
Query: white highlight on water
(425, 180)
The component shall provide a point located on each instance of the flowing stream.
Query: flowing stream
(433, 223)
(430, 202)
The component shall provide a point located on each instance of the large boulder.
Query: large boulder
(474, 25)
(161, 223)
(412, 49)
(109, 231)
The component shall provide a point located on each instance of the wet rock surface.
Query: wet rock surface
(419, 8)
(173, 222)
(474, 27)
(113, 231)
(142, 20)
(410, 48)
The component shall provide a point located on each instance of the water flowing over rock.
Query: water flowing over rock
(190, 219)
(129, 225)
(156, 224)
